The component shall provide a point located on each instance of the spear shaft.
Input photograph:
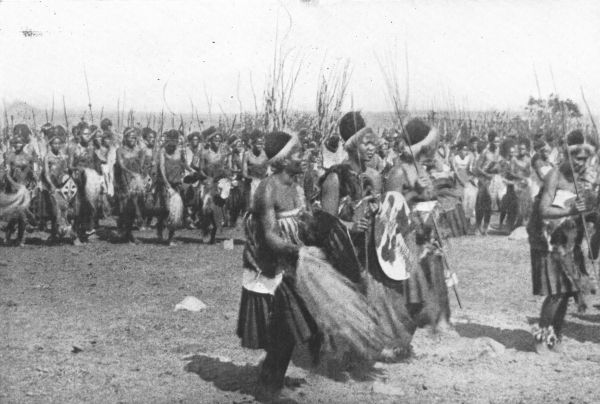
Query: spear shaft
(590, 114)
(65, 112)
(87, 85)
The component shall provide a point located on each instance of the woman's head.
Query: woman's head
(362, 145)
(55, 144)
(578, 149)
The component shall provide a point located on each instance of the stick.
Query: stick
(585, 229)
(537, 83)
(591, 116)
(87, 85)
(52, 116)
(444, 258)
(65, 113)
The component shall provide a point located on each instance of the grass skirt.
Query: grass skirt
(344, 315)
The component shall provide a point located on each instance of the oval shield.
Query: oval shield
(391, 224)
(69, 188)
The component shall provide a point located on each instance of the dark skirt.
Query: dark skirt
(427, 292)
(554, 274)
(263, 317)
(253, 319)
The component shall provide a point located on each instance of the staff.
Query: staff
(433, 219)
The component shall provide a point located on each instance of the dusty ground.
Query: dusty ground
(96, 324)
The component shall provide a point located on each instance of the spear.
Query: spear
(33, 117)
(46, 110)
(87, 85)
(101, 113)
(590, 114)
(52, 116)
(537, 83)
(65, 112)
(585, 229)
(118, 113)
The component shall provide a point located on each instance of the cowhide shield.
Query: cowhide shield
(391, 222)
(224, 188)
(68, 190)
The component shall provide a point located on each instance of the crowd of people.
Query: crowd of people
(355, 220)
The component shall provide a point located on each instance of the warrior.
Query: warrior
(272, 314)
(351, 192)
(555, 233)
(149, 171)
(462, 165)
(487, 168)
(254, 167)
(519, 173)
(85, 166)
(107, 132)
(129, 183)
(19, 171)
(213, 161)
(540, 164)
(235, 204)
(53, 178)
(426, 290)
(193, 190)
(171, 170)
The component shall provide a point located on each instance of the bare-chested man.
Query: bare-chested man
(129, 183)
(85, 167)
(487, 167)
(272, 315)
(254, 166)
(555, 235)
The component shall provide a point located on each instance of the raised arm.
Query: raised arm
(553, 212)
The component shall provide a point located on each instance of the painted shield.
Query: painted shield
(224, 188)
(69, 188)
(391, 223)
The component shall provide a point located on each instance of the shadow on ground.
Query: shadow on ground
(520, 340)
(227, 376)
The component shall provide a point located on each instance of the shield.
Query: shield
(68, 189)
(224, 188)
(391, 224)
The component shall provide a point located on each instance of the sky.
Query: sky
(470, 55)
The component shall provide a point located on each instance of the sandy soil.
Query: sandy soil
(97, 324)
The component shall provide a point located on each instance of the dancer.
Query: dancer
(426, 290)
(171, 169)
(272, 315)
(555, 235)
(487, 169)
(54, 176)
(129, 184)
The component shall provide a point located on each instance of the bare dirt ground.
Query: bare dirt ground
(96, 324)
